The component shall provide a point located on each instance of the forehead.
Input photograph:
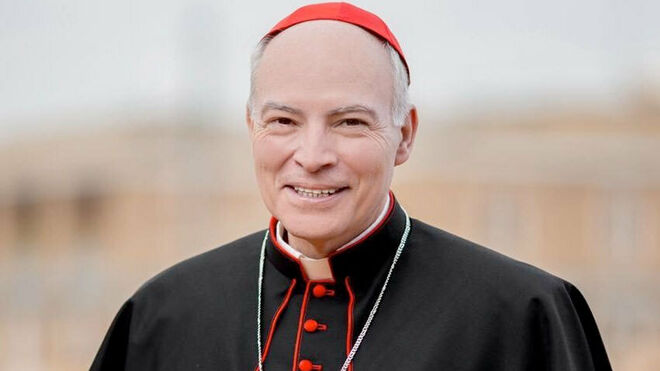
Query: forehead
(325, 60)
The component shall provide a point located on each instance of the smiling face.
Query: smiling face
(323, 140)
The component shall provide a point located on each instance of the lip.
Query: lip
(316, 186)
(327, 200)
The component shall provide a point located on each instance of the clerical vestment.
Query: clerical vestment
(450, 305)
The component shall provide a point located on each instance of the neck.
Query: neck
(321, 248)
(313, 249)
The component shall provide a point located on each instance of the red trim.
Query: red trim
(273, 239)
(303, 308)
(273, 322)
(349, 326)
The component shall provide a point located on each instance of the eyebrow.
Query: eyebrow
(352, 109)
(336, 111)
(279, 107)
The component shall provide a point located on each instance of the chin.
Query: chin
(313, 228)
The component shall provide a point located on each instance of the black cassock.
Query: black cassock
(450, 305)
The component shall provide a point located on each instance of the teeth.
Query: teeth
(314, 193)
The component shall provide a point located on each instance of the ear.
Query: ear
(408, 132)
(248, 119)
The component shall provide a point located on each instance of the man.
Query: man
(343, 278)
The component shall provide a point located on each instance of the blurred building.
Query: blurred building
(87, 216)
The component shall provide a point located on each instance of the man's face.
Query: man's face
(324, 143)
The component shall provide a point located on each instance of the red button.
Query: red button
(311, 325)
(319, 291)
(305, 365)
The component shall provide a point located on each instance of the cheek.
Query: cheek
(269, 154)
(370, 160)
(265, 151)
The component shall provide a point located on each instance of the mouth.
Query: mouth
(316, 192)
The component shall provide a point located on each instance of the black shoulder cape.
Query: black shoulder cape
(450, 305)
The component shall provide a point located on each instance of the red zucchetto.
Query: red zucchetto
(343, 12)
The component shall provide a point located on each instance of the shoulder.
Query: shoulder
(489, 298)
(221, 268)
(484, 271)
(202, 295)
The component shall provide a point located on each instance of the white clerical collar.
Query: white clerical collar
(319, 269)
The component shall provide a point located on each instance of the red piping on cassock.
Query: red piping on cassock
(349, 326)
(273, 322)
(303, 308)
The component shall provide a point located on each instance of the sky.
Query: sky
(93, 57)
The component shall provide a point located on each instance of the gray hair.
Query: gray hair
(401, 100)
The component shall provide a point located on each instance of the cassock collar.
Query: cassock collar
(319, 269)
(362, 260)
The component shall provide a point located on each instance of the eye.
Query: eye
(353, 122)
(281, 121)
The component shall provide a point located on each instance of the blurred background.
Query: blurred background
(123, 150)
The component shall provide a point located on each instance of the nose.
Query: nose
(315, 150)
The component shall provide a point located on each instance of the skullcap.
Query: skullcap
(343, 12)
